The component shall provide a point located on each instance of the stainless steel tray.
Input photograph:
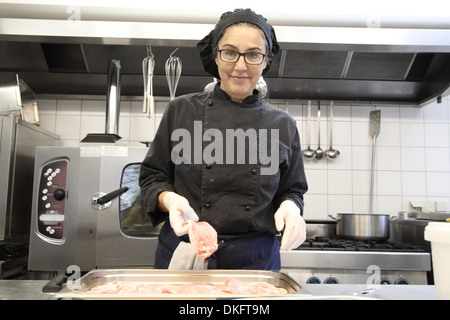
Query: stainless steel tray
(170, 277)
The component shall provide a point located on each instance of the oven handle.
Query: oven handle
(102, 202)
(108, 197)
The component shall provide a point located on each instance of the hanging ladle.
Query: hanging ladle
(309, 153)
(319, 151)
(331, 153)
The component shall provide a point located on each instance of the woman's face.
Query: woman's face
(238, 79)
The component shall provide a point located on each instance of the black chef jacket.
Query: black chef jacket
(235, 198)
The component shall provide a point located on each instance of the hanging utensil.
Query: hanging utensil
(374, 130)
(319, 151)
(173, 72)
(331, 153)
(309, 153)
(261, 86)
(210, 86)
(148, 64)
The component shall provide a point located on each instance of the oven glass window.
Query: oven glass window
(133, 221)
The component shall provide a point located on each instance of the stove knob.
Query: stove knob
(331, 280)
(401, 281)
(59, 194)
(313, 280)
(385, 281)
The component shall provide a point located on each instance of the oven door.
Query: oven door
(125, 235)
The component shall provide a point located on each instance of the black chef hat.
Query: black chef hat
(208, 44)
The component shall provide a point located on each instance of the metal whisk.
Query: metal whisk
(173, 72)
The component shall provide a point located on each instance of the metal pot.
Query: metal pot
(321, 228)
(374, 227)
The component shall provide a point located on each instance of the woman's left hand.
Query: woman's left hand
(289, 219)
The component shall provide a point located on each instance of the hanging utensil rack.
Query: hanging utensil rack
(319, 154)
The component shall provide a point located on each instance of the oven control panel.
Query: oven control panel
(335, 276)
(51, 204)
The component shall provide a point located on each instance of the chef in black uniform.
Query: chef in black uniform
(248, 190)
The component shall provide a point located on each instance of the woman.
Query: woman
(246, 193)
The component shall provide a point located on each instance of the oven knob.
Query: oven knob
(401, 281)
(385, 281)
(331, 280)
(313, 280)
(59, 194)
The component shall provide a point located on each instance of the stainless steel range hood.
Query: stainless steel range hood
(400, 65)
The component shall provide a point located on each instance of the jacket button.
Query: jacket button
(254, 171)
(247, 208)
(207, 205)
(208, 166)
(210, 103)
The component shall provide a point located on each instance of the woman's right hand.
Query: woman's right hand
(176, 205)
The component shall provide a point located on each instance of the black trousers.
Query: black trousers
(255, 251)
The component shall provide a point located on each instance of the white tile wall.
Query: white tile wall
(412, 154)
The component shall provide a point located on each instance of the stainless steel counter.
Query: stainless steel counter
(385, 292)
(23, 290)
(32, 290)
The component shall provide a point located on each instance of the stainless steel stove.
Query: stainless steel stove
(330, 260)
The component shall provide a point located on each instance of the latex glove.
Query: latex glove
(289, 219)
(179, 212)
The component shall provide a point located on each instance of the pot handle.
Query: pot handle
(393, 218)
(333, 218)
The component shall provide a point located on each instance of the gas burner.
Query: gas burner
(329, 260)
(335, 244)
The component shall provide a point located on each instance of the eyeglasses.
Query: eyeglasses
(249, 57)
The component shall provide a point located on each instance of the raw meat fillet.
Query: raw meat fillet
(203, 238)
(131, 287)
(235, 286)
(266, 288)
(196, 288)
(231, 286)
